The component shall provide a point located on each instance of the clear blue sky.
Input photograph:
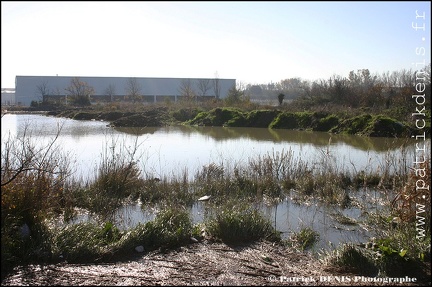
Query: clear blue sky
(253, 42)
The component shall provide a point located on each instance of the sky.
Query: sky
(252, 42)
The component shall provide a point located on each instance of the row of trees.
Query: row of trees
(80, 92)
(359, 88)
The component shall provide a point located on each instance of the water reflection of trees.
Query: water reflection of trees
(137, 131)
(320, 139)
(302, 137)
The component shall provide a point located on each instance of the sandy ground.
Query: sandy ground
(201, 264)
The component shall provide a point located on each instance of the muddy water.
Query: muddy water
(168, 151)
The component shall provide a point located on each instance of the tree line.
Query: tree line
(359, 89)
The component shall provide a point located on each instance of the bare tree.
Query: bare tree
(305, 87)
(216, 85)
(407, 78)
(79, 92)
(203, 86)
(58, 95)
(43, 90)
(362, 79)
(133, 90)
(427, 74)
(110, 91)
(235, 96)
(338, 89)
(186, 89)
(241, 86)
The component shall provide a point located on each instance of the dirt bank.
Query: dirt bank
(199, 264)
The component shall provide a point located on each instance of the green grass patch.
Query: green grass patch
(289, 120)
(354, 125)
(85, 242)
(373, 126)
(261, 118)
(171, 228)
(89, 242)
(238, 224)
(219, 117)
(185, 114)
(305, 238)
(350, 258)
(382, 126)
(327, 123)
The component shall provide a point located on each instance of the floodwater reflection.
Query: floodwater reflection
(168, 151)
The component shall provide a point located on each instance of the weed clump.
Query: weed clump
(171, 228)
(350, 258)
(85, 241)
(89, 242)
(238, 224)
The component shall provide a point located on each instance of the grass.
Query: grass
(89, 242)
(380, 261)
(84, 242)
(351, 259)
(237, 223)
(305, 238)
(402, 240)
(173, 191)
(171, 228)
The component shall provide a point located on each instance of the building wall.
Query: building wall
(28, 87)
(8, 97)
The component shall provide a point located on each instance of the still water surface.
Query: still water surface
(169, 151)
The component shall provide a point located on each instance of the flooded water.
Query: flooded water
(169, 151)
(286, 216)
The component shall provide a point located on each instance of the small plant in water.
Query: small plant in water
(306, 238)
(241, 225)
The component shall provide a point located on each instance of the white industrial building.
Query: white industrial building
(36, 88)
(7, 97)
